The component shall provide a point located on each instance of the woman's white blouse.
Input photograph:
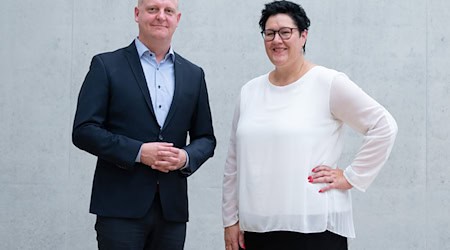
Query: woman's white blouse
(279, 134)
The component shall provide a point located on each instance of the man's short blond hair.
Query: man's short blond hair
(141, 1)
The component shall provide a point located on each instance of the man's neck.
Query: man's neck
(160, 48)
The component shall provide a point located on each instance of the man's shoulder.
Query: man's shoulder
(180, 60)
(117, 53)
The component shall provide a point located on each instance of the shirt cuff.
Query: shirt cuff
(138, 157)
(186, 164)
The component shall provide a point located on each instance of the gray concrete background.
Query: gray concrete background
(398, 51)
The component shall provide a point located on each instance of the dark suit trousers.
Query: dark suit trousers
(151, 232)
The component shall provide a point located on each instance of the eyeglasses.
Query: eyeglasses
(284, 33)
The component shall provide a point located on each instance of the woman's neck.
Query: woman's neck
(282, 76)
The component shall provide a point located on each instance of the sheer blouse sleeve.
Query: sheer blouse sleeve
(230, 188)
(351, 105)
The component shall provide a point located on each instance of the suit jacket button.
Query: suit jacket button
(160, 137)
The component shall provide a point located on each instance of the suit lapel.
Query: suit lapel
(177, 90)
(136, 67)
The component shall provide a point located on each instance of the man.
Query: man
(135, 110)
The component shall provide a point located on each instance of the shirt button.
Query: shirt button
(159, 106)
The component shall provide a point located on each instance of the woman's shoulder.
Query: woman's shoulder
(320, 70)
(322, 74)
(256, 82)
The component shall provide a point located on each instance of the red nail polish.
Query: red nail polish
(321, 191)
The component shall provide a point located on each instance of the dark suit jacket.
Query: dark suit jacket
(115, 116)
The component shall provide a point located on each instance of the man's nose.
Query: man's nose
(161, 15)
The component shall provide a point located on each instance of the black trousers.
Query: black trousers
(282, 240)
(151, 232)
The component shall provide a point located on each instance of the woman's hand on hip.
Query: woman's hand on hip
(233, 237)
(333, 177)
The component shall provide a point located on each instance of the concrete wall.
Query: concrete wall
(398, 51)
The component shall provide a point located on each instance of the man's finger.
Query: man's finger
(159, 168)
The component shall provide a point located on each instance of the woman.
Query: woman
(282, 188)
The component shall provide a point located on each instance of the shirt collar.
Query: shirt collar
(141, 49)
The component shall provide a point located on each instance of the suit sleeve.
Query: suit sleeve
(90, 132)
(202, 139)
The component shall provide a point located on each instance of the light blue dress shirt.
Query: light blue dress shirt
(160, 79)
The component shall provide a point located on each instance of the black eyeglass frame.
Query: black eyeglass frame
(263, 34)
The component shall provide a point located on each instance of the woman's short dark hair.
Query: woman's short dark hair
(295, 11)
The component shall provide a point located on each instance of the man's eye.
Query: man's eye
(152, 10)
(170, 11)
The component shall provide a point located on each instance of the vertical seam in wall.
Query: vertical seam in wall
(71, 74)
(71, 63)
(69, 120)
(426, 123)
